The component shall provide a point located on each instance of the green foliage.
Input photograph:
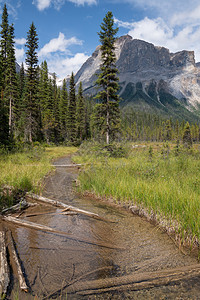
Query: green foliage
(11, 92)
(80, 115)
(107, 111)
(31, 94)
(24, 170)
(63, 110)
(187, 138)
(168, 187)
(4, 44)
(97, 150)
(71, 121)
(46, 104)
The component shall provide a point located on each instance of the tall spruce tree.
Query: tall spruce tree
(31, 97)
(63, 110)
(4, 45)
(11, 91)
(4, 123)
(108, 108)
(80, 114)
(21, 80)
(46, 104)
(55, 94)
(71, 120)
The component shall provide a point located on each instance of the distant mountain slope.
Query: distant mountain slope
(151, 78)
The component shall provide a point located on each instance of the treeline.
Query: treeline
(32, 107)
(147, 127)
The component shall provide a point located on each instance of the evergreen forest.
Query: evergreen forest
(34, 109)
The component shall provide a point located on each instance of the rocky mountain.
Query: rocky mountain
(151, 78)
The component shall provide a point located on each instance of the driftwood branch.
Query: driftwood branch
(15, 208)
(12, 250)
(64, 206)
(135, 281)
(68, 165)
(51, 213)
(24, 223)
(4, 270)
(85, 275)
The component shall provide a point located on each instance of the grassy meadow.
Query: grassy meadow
(161, 178)
(25, 170)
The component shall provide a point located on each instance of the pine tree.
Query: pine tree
(11, 92)
(71, 121)
(4, 45)
(168, 130)
(4, 128)
(1, 78)
(46, 103)
(108, 109)
(21, 81)
(55, 94)
(4, 122)
(187, 137)
(63, 110)
(31, 96)
(80, 114)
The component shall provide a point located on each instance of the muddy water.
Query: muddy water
(53, 263)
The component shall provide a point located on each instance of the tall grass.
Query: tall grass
(167, 184)
(25, 170)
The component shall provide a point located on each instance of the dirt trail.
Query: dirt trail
(55, 265)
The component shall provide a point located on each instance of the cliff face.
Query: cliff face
(163, 78)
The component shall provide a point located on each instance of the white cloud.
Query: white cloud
(42, 4)
(21, 41)
(190, 16)
(65, 66)
(83, 2)
(154, 31)
(58, 44)
(57, 4)
(165, 8)
(19, 54)
(158, 32)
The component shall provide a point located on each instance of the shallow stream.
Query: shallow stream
(120, 245)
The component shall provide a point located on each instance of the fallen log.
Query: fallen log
(85, 275)
(24, 223)
(64, 206)
(4, 269)
(15, 208)
(22, 282)
(68, 165)
(51, 213)
(135, 281)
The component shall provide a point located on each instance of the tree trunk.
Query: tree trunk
(4, 270)
(64, 206)
(107, 119)
(135, 281)
(22, 281)
(10, 117)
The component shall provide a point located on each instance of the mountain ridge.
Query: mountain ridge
(165, 82)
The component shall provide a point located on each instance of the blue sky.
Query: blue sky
(67, 29)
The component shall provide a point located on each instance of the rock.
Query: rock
(148, 73)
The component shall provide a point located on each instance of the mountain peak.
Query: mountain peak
(142, 62)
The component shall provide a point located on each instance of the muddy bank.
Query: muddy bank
(55, 265)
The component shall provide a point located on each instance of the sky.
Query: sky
(68, 29)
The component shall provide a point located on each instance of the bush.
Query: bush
(94, 148)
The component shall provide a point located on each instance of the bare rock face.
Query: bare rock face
(161, 74)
